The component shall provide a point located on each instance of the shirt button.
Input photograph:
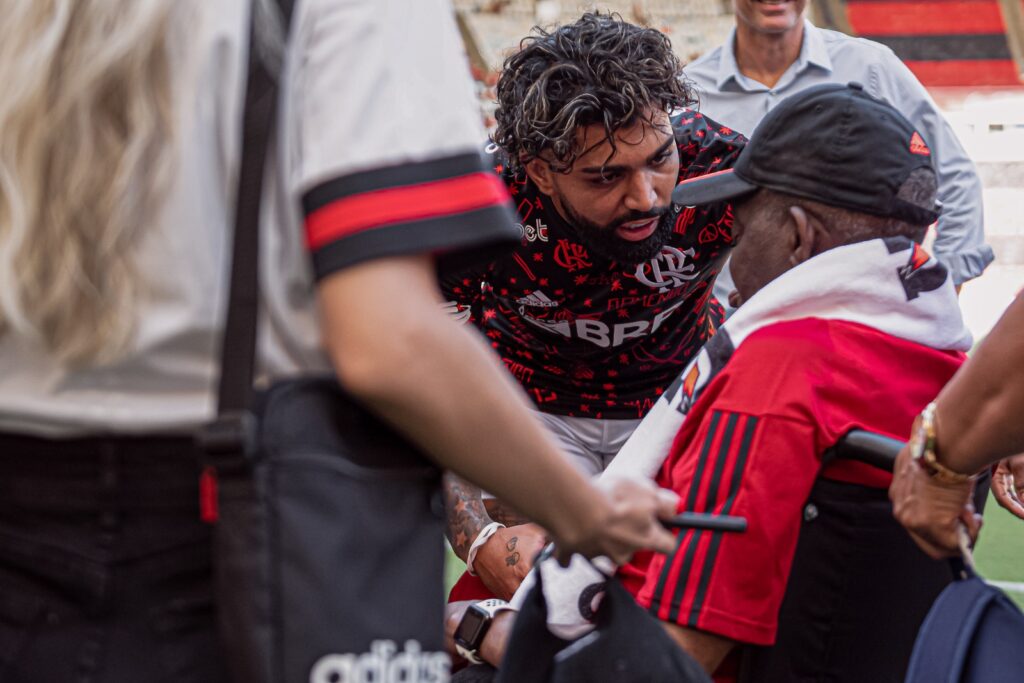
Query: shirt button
(810, 512)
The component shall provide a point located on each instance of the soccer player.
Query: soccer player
(608, 294)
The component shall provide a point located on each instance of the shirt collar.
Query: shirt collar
(812, 51)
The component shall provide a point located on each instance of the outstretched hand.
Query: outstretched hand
(627, 521)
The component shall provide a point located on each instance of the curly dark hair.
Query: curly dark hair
(599, 69)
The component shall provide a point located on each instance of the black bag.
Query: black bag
(328, 532)
(627, 646)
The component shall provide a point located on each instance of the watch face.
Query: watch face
(471, 628)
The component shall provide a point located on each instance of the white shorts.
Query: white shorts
(590, 443)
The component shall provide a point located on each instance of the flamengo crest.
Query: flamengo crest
(667, 270)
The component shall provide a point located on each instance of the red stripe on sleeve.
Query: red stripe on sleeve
(975, 72)
(924, 17)
(379, 208)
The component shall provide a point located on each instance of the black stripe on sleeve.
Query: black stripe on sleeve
(459, 240)
(716, 538)
(413, 173)
(947, 47)
(683, 579)
(691, 500)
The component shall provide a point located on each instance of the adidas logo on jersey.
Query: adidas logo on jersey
(537, 299)
(917, 145)
(384, 663)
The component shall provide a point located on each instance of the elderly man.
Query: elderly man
(846, 323)
(774, 53)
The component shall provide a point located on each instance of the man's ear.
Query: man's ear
(806, 235)
(541, 174)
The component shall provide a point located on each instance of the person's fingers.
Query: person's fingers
(1015, 484)
(664, 541)
(1007, 486)
(1002, 487)
(668, 503)
(1015, 466)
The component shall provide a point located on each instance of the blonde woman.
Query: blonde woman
(119, 148)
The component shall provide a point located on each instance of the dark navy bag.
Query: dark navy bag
(973, 633)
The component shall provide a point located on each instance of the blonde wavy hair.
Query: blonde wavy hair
(85, 156)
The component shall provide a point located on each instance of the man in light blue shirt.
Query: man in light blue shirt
(774, 52)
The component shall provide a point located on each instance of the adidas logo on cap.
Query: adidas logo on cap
(917, 145)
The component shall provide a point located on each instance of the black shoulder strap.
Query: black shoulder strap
(238, 347)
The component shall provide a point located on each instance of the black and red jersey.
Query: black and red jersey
(587, 336)
(752, 446)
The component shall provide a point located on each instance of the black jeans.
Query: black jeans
(857, 594)
(105, 571)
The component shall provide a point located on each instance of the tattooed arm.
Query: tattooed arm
(506, 557)
(465, 511)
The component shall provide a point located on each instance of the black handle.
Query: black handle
(701, 520)
(867, 447)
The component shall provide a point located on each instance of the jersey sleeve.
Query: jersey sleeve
(760, 467)
(706, 147)
(385, 156)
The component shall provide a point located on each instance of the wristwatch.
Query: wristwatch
(923, 450)
(474, 626)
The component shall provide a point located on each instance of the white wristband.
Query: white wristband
(481, 538)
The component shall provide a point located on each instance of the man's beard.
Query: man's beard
(604, 242)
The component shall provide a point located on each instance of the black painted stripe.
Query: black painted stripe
(712, 500)
(401, 175)
(691, 500)
(716, 538)
(462, 239)
(941, 48)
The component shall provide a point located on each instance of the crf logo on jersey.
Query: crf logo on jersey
(384, 663)
(571, 256)
(667, 270)
(600, 333)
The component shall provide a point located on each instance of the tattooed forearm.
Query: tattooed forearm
(465, 511)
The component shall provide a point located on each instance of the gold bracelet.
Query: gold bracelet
(924, 450)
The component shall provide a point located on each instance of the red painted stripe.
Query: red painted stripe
(925, 18)
(1001, 72)
(379, 208)
(702, 176)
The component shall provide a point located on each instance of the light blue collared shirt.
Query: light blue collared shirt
(733, 100)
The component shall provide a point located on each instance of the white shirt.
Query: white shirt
(367, 84)
(732, 99)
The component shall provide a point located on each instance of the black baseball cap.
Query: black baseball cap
(831, 143)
